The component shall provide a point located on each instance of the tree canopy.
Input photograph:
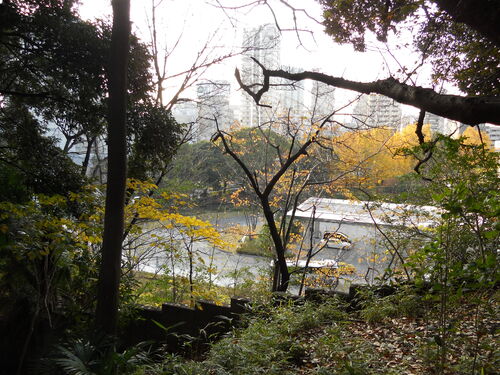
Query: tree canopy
(66, 88)
(459, 38)
(462, 49)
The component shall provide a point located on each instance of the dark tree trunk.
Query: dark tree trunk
(109, 274)
(282, 286)
(85, 164)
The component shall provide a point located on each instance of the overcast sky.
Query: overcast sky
(198, 20)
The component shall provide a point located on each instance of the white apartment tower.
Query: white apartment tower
(213, 103)
(436, 122)
(376, 110)
(322, 100)
(264, 45)
(493, 132)
(291, 97)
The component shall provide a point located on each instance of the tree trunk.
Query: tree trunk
(282, 286)
(85, 164)
(109, 274)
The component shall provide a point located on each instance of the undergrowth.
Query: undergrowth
(397, 334)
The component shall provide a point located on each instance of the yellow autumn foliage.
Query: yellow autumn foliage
(473, 138)
(147, 207)
(374, 155)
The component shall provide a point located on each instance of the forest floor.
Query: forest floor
(400, 334)
(408, 345)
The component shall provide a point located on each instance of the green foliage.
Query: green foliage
(36, 164)
(82, 357)
(66, 88)
(346, 356)
(256, 289)
(270, 344)
(154, 137)
(406, 302)
(281, 341)
(48, 269)
(463, 183)
(201, 165)
(460, 55)
(12, 187)
(325, 339)
(461, 256)
(159, 289)
(179, 185)
(258, 146)
(204, 165)
(50, 249)
(45, 245)
(49, 256)
(153, 290)
(348, 21)
(261, 245)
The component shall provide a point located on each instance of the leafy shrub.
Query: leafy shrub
(260, 245)
(271, 343)
(405, 302)
(81, 357)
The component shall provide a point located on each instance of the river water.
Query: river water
(228, 267)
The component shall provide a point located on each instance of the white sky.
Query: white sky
(197, 20)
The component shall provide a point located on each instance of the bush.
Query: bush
(405, 302)
(271, 344)
(260, 245)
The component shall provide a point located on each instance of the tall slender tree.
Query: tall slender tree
(109, 274)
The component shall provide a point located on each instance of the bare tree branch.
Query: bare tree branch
(394, 247)
(471, 110)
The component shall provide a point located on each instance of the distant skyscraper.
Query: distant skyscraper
(185, 112)
(322, 100)
(436, 122)
(407, 120)
(493, 132)
(291, 97)
(376, 110)
(213, 103)
(264, 45)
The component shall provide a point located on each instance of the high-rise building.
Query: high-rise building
(407, 120)
(493, 132)
(376, 110)
(185, 112)
(290, 97)
(436, 122)
(264, 45)
(213, 108)
(322, 100)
